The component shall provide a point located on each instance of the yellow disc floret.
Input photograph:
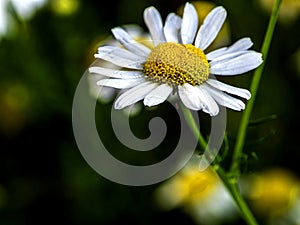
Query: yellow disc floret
(177, 64)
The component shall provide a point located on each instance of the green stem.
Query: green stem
(242, 131)
(230, 179)
(231, 186)
(191, 122)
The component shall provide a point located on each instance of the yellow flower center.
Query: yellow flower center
(177, 64)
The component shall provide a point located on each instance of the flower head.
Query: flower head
(200, 194)
(273, 192)
(177, 64)
(274, 195)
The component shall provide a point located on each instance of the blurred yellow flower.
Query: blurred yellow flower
(200, 193)
(273, 193)
(189, 187)
(65, 7)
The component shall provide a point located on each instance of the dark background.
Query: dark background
(43, 177)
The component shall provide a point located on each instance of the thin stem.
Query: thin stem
(231, 181)
(242, 131)
(191, 122)
(231, 186)
(236, 195)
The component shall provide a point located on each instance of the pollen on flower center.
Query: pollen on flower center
(177, 64)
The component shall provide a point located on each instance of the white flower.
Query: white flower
(177, 64)
(24, 8)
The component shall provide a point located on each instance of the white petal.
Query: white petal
(154, 23)
(216, 53)
(128, 42)
(117, 51)
(172, 28)
(123, 74)
(120, 83)
(229, 89)
(120, 57)
(197, 98)
(210, 27)
(190, 97)
(227, 56)
(210, 106)
(134, 95)
(158, 95)
(133, 30)
(238, 65)
(122, 62)
(240, 45)
(224, 99)
(95, 77)
(189, 24)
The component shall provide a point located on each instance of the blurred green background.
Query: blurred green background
(43, 177)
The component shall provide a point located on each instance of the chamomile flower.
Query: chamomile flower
(176, 64)
(200, 194)
(274, 194)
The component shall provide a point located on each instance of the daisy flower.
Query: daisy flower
(200, 194)
(177, 64)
